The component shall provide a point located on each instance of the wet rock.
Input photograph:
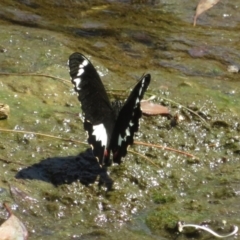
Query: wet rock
(199, 51)
(19, 16)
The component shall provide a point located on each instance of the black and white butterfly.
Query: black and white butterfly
(109, 129)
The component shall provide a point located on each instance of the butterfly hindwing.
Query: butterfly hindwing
(128, 120)
(99, 117)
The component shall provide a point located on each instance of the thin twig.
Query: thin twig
(11, 161)
(42, 135)
(36, 75)
(141, 155)
(79, 142)
(188, 109)
(167, 148)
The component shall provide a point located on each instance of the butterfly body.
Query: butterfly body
(109, 129)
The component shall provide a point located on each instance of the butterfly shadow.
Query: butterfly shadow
(65, 170)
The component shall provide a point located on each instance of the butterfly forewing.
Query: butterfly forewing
(90, 89)
(128, 120)
(98, 113)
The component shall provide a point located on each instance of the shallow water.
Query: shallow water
(123, 40)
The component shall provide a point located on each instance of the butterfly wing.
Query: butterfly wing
(128, 120)
(98, 113)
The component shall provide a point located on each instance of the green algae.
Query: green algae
(124, 41)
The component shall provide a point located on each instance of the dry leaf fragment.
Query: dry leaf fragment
(20, 196)
(149, 108)
(203, 5)
(13, 228)
(4, 111)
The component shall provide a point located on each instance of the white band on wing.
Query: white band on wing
(100, 133)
